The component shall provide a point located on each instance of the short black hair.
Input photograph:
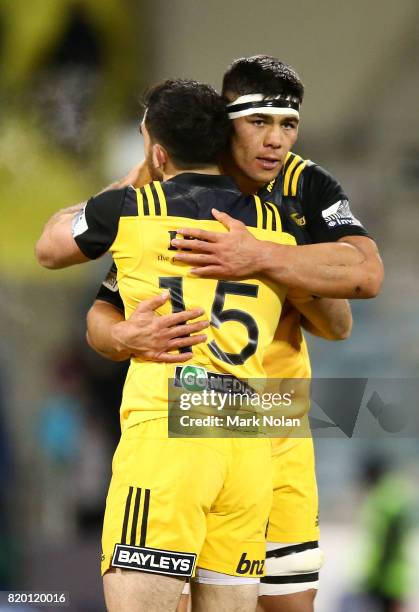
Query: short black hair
(262, 74)
(189, 119)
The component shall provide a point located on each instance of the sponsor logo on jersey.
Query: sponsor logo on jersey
(197, 378)
(192, 378)
(79, 224)
(299, 220)
(339, 214)
(252, 567)
(154, 560)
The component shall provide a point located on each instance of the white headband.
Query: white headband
(252, 104)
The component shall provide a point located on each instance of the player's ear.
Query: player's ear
(159, 156)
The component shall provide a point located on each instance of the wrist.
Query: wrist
(118, 342)
(272, 260)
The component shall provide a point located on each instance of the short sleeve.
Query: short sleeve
(326, 208)
(96, 226)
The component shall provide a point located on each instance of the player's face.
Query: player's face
(259, 146)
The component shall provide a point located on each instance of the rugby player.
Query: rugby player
(173, 502)
(346, 265)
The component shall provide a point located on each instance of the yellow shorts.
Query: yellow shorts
(294, 514)
(175, 504)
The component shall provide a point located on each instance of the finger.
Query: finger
(183, 330)
(188, 341)
(200, 234)
(180, 317)
(196, 259)
(193, 245)
(209, 272)
(170, 358)
(152, 303)
(225, 219)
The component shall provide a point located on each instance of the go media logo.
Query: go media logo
(197, 378)
(193, 378)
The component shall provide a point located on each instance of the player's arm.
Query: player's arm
(342, 260)
(80, 233)
(56, 248)
(330, 319)
(101, 320)
(343, 263)
(348, 268)
(145, 334)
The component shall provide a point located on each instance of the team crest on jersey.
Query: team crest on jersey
(339, 214)
(299, 220)
(154, 560)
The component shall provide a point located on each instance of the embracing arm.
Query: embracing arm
(145, 334)
(330, 319)
(82, 232)
(101, 321)
(348, 268)
(56, 248)
(341, 261)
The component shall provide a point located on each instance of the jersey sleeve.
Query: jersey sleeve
(109, 290)
(96, 226)
(326, 208)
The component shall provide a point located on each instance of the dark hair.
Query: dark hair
(262, 74)
(189, 119)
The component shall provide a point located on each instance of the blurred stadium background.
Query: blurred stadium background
(71, 76)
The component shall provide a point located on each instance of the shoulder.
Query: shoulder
(319, 182)
(106, 207)
(96, 227)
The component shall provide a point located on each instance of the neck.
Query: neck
(243, 182)
(169, 171)
(246, 185)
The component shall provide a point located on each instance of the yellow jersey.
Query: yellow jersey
(137, 226)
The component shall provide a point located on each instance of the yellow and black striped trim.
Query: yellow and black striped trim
(267, 215)
(151, 200)
(131, 517)
(293, 167)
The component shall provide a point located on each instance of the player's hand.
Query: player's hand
(230, 255)
(151, 336)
